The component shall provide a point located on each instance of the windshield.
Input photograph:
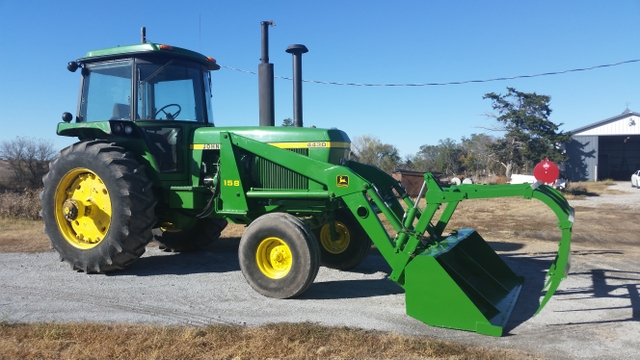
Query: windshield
(166, 90)
(172, 91)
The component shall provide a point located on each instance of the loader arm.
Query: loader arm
(456, 281)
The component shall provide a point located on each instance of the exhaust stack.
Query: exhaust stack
(297, 50)
(265, 80)
(143, 35)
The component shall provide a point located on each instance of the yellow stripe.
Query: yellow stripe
(205, 146)
(311, 144)
(285, 145)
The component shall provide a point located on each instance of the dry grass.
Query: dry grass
(25, 205)
(274, 341)
(580, 190)
(514, 219)
(22, 235)
(523, 221)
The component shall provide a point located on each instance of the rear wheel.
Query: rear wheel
(97, 207)
(200, 237)
(351, 246)
(279, 255)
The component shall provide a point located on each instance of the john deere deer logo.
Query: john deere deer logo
(342, 180)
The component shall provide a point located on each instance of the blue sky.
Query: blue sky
(349, 41)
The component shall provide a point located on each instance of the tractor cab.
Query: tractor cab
(158, 92)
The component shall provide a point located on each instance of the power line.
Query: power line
(449, 82)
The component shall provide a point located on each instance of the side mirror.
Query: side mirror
(72, 66)
(67, 117)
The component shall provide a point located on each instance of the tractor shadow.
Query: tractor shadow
(534, 268)
(374, 263)
(222, 256)
(351, 289)
(608, 284)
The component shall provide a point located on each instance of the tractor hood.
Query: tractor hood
(283, 137)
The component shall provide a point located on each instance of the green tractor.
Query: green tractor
(149, 164)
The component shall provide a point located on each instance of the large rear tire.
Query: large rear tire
(279, 255)
(198, 238)
(97, 206)
(349, 249)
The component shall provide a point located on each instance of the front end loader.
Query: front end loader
(150, 165)
(454, 281)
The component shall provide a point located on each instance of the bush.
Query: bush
(24, 204)
(26, 162)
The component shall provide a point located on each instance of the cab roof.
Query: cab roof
(149, 50)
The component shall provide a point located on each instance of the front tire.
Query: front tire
(350, 248)
(279, 255)
(97, 206)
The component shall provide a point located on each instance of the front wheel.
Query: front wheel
(349, 248)
(97, 206)
(279, 255)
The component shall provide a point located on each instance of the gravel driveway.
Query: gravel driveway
(594, 315)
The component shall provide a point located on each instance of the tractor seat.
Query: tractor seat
(121, 112)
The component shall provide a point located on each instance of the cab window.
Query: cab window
(106, 91)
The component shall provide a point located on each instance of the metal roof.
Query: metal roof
(149, 49)
(626, 113)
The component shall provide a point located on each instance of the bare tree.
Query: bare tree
(28, 160)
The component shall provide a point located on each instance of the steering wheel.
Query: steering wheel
(170, 115)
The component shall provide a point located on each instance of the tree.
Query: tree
(425, 159)
(287, 122)
(529, 134)
(449, 156)
(370, 150)
(28, 160)
(477, 155)
(444, 157)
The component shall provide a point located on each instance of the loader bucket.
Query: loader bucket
(461, 283)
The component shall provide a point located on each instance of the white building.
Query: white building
(607, 149)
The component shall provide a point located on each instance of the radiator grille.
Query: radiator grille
(274, 176)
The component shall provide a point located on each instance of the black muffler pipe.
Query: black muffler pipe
(265, 80)
(297, 50)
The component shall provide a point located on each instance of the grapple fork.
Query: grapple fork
(456, 281)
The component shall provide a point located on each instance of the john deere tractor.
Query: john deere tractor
(149, 164)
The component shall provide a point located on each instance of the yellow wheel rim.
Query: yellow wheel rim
(82, 208)
(274, 258)
(169, 227)
(339, 245)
